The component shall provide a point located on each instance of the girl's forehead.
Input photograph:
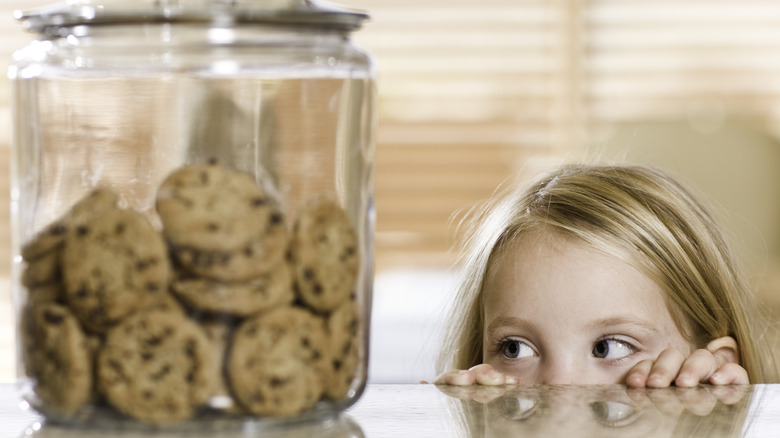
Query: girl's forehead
(552, 274)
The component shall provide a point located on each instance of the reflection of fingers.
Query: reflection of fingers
(456, 377)
(730, 374)
(665, 368)
(487, 375)
(461, 392)
(666, 401)
(637, 375)
(730, 394)
(638, 394)
(698, 367)
(698, 400)
(486, 394)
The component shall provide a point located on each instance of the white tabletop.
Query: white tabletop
(436, 411)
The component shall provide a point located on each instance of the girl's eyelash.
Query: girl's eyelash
(501, 344)
(631, 345)
(621, 340)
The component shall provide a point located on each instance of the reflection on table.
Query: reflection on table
(339, 426)
(476, 411)
(603, 411)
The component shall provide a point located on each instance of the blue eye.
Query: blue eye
(515, 349)
(609, 348)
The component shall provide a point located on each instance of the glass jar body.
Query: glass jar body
(124, 107)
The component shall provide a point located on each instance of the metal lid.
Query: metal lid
(219, 12)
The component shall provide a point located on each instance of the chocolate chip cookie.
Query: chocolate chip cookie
(325, 255)
(157, 367)
(343, 326)
(211, 213)
(272, 288)
(113, 265)
(57, 355)
(277, 362)
(53, 236)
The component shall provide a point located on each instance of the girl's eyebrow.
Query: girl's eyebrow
(606, 323)
(601, 324)
(508, 321)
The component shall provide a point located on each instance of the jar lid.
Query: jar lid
(48, 19)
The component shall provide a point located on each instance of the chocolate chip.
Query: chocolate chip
(53, 317)
(120, 228)
(258, 202)
(82, 230)
(190, 348)
(164, 371)
(59, 230)
(256, 397)
(251, 330)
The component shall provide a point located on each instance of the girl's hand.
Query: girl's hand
(482, 374)
(717, 364)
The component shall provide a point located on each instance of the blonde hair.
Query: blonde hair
(640, 215)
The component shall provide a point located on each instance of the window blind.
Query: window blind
(472, 92)
(468, 92)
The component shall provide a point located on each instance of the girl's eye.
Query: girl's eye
(515, 349)
(612, 349)
(614, 414)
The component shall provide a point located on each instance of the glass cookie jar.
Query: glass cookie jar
(192, 211)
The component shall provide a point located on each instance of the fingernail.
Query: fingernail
(716, 378)
(634, 379)
(653, 380)
(512, 380)
(494, 375)
(684, 379)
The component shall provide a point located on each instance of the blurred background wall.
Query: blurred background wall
(477, 94)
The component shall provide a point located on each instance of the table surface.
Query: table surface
(419, 410)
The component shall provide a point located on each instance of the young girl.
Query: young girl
(602, 274)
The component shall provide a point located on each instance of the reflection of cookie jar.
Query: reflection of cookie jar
(192, 236)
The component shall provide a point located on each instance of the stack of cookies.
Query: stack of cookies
(225, 307)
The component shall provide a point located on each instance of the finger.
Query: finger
(489, 376)
(665, 368)
(456, 377)
(637, 375)
(730, 374)
(698, 367)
